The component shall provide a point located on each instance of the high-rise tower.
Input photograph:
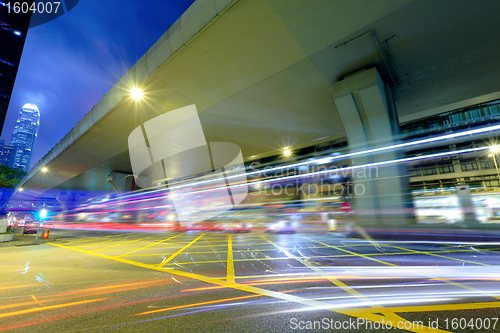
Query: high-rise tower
(24, 136)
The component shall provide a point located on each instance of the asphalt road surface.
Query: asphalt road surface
(89, 281)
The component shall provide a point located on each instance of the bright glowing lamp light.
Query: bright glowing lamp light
(43, 213)
(490, 155)
(287, 152)
(21, 189)
(495, 149)
(136, 93)
(44, 169)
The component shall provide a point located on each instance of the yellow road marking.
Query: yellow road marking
(176, 253)
(460, 285)
(230, 263)
(221, 245)
(443, 307)
(99, 242)
(94, 238)
(321, 272)
(34, 298)
(284, 258)
(457, 284)
(421, 252)
(122, 243)
(437, 255)
(145, 247)
(388, 313)
(353, 253)
(363, 313)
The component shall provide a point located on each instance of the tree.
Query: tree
(10, 177)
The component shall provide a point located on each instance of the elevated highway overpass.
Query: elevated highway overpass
(265, 74)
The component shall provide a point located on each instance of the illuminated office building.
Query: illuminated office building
(24, 137)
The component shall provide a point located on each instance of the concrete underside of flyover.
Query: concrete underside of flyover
(261, 75)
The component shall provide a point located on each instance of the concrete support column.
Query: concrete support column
(381, 194)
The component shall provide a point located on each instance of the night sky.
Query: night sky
(68, 64)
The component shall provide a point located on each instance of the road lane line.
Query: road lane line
(145, 247)
(437, 255)
(457, 284)
(93, 238)
(353, 253)
(443, 307)
(166, 261)
(336, 282)
(376, 308)
(284, 258)
(36, 300)
(99, 242)
(418, 252)
(122, 243)
(364, 312)
(230, 263)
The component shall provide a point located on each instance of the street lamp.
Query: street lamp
(43, 214)
(287, 152)
(136, 93)
(44, 169)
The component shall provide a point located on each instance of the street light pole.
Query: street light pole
(494, 150)
(43, 214)
(496, 167)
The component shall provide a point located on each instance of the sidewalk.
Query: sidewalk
(28, 239)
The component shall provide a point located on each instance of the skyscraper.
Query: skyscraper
(24, 136)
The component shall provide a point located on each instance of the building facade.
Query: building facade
(6, 154)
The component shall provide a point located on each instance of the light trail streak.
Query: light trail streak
(50, 307)
(15, 287)
(303, 175)
(377, 302)
(85, 311)
(333, 158)
(339, 170)
(207, 189)
(369, 151)
(182, 314)
(109, 289)
(197, 304)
